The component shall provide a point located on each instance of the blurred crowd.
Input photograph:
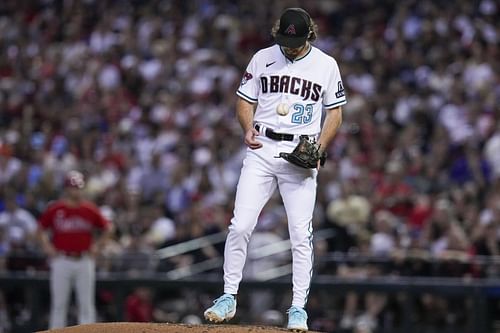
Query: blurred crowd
(139, 96)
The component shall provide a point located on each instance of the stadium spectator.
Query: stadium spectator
(19, 224)
(139, 306)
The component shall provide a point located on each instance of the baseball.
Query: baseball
(282, 109)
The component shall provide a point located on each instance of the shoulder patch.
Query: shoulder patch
(340, 90)
(246, 77)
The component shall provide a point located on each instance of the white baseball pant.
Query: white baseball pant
(261, 174)
(66, 272)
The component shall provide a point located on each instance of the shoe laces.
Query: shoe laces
(298, 312)
(225, 302)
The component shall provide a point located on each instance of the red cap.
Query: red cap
(74, 179)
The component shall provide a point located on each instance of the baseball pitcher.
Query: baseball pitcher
(284, 93)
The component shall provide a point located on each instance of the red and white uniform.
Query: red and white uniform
(72, 230)
(72, 227)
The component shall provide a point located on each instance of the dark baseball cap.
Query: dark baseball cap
(294, 28)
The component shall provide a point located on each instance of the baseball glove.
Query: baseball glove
(305, 155)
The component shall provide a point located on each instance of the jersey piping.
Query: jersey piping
(333, 105)
(246, 97)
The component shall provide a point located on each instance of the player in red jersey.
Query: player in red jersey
(66, 232)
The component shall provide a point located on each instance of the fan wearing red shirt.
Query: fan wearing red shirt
(66, 232)
(139, 307)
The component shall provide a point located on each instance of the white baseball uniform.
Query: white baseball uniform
(308, 85)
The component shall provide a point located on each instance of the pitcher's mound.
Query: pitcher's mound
(164, 328)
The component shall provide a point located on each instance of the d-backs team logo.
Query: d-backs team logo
(290, 30)
(246, 77)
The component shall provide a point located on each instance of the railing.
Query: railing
(337, 257)
(191, 245)
(210, 264)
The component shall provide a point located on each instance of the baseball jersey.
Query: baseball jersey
(307, 85)
(72, 227)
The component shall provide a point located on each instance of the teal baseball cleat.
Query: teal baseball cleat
(297, 319)
(224, 308)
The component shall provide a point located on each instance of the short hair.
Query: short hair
(313, 30)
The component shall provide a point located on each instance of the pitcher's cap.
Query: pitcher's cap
(294, 28)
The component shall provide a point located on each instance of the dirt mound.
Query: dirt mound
(164, 328)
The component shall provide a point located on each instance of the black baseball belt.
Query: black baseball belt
(277, 136)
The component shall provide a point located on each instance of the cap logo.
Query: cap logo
(290, 30)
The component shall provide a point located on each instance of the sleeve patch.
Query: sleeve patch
(340, 90)
(246, 77)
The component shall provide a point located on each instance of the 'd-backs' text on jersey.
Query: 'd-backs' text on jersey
(308, 85)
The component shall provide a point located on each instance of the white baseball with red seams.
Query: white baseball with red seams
(307, 85)
(282, 109)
